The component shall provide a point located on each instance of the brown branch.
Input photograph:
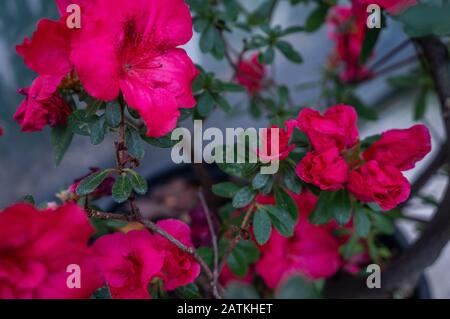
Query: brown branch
(407, 267)
(239, 236)
(215, 281)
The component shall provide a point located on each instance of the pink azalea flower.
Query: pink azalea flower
(347, 25)
(179, 268)
(134, 51)
(402, 148)
(326, 170)
(36, 247)
(312, 251)
(382, 184)
(47, 53)
(335, 128)
(42, 105)
(128, 263)
(393, 7)
(282, 149)
(251, 74)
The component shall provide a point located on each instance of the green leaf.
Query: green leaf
(222, 103)
(79, 123)
(291, 30)
(134, 143)
(112, 114)
(362, 222)
(262, 226)
(138, 183)
(237, 290)
(161, 142)
(296, 287)
(102, 293)
(368, 141)
(205, 104)
(420, 104)
(382, 223)
(61, 138)
(122, 188)
(362, 110)
(324, 210)
(28, 199)
(292, 181)
(289, 52)
(188, 292)
(92, 182)
(260, 180)
(316, 18)
(226, 189)
(426, 19)
(268, 56)
(243, 197)
(342, 207)
(281, 219)
(370, 40)
(208, 39)
(98, 130)
(284, 200)
(230, 87)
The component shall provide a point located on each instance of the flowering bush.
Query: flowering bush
(124, 73)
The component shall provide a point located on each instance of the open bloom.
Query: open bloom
(394, 7)
(383, 184)
(47, 53)
(250, 74)
(327, 170)
(335, 128)
(128, 263)
(277, 149)
(347, 25)
(36, 248)
(401, 148)
(312, 251)
(179, 268)
(134, 50)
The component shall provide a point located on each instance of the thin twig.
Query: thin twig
(237, 239)
(390, 54)
(215, 282)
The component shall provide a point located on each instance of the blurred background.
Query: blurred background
(26, 160)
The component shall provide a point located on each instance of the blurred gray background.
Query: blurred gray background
(26, 159)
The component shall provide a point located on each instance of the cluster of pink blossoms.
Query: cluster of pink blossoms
(38, 246)
(373, 176)
(133, 50)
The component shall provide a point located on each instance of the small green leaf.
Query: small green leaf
(92, 182)
(362, 222)
(134, 143)
(161, 142)
(262, 226)
(342, 207)
(243, 197)
(370, 40)
(98, 131)
(324, 210)
(286, 202)
(289, 52)
(188, 292)
(368, 141)
(316, 18)
(138, 183)
(122, 188)
(79, 123)
(208, 38)
(268, 56)
(226, 189)
(222, 103)
(205, 104)
(260, 180)
(29, 199)
(61, 138)
(281, 219)
(112, 114)
(292, 181)
(296, 287)
(382, 223)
